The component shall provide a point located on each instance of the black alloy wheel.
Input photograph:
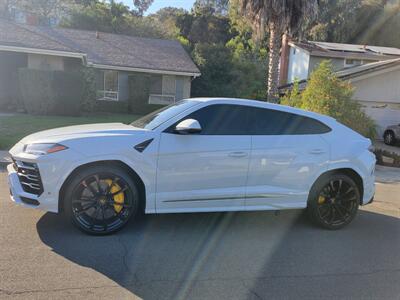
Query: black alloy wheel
(101, 200)
(334, 201)
(389, 138)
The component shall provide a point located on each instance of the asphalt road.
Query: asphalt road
(252, 255)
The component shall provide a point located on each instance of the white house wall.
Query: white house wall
(298, 64)
(380, 97)
(384, 87)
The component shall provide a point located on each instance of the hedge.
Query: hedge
(139, 91)
(51, 92)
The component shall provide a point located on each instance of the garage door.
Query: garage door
(384, 114)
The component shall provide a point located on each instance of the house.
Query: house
(163, 66)
(373, 71)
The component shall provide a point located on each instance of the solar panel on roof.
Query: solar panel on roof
(340, 47)
(384, 50)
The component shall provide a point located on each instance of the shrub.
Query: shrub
(36, 92)
(139, 91)
(329, 95)
(225, 75)
(89, 89)
(67, 88)
(50, 92)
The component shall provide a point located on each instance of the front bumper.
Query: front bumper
(17, 193)
(23, 198)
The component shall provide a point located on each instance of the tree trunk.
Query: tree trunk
(273, 64)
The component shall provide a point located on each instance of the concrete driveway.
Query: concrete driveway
(252, 255)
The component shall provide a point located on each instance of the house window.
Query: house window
(162, 89)
(107, 85)
(352, 62)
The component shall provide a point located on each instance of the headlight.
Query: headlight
(42, 149)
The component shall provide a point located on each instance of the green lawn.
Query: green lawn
(14, 128)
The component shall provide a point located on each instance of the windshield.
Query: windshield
(156, 118)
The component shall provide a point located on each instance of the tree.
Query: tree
(214, 62)
(378, 23)
(373, 22)
(278, 17)
(167, 18)
(329, 95)
(219, 7)
(336, 21)
(141, 6)
(204, 27)
(112, 17)
(244, 42)
(45, 9)
(225, 76)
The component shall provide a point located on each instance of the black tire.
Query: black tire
(333, 201)
(91, 203)
(389, 138)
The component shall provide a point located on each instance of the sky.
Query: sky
(157, 4)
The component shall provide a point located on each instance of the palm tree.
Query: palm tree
(278, 17)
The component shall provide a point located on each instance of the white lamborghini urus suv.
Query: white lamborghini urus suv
(197, 155)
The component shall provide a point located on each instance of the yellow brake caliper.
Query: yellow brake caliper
(321, 200)
(119, 198)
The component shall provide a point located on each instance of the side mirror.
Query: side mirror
(188, 126)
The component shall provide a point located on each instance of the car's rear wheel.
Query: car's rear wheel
(101, 200)
(389, 138)
(333, 201)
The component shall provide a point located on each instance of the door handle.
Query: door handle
(238, 154)
(317, 151)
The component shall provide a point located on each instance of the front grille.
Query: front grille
(29, 177)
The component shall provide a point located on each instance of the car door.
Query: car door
(206, 171)
(288, 152)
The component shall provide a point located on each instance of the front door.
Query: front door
(206, 171)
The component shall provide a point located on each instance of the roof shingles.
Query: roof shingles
(102, 48)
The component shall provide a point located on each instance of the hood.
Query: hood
(80, 131)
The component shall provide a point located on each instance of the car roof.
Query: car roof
(268, 105)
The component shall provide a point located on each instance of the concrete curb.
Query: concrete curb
(385, 174)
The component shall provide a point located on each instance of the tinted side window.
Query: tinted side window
(310, 126)
(220, 119)
(273, 122)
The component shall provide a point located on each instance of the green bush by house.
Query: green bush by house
(329, 95)
(139, 91)
(50, 92)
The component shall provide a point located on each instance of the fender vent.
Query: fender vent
(142, 146)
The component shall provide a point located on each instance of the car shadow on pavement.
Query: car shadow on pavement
(247, 255)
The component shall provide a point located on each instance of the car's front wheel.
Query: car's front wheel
(333, 201)
(389, 138)
(100, 200)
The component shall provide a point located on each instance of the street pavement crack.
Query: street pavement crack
(124, 260)
(254, 293)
